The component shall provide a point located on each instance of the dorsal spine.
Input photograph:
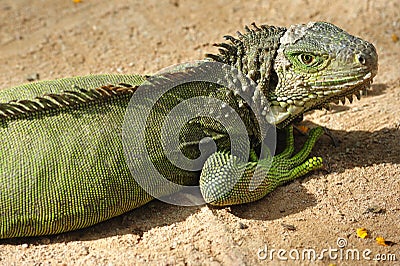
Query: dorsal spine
(253, 52)
(59, 101)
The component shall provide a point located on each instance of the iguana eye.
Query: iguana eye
(306, 59)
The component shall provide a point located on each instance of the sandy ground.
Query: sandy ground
(54, 39)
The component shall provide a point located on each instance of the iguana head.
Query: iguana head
(302, 68)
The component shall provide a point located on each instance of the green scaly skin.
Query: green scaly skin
(62, 165)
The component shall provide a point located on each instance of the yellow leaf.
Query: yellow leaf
(362, 232)
(77, 1)
(381, 241)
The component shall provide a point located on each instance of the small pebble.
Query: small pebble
(33, 77)
(289, 227)
(243, 226)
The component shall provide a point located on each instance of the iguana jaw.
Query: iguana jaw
(283, 111)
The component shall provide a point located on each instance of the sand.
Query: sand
(54, 39)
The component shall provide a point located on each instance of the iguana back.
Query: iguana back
(64, 168)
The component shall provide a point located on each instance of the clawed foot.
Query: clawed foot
(226, 181)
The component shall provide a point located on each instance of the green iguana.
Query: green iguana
(62, 161)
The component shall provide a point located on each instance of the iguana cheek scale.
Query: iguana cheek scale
(62, 165)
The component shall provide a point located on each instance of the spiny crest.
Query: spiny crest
(253, 53)
(67, 99)
(229, 52)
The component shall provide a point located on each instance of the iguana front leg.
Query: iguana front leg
(220, 171)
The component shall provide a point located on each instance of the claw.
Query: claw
(334, 139)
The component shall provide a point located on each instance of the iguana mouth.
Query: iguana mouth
(285, 110)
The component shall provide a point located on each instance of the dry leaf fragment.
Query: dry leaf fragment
(395, 38)
(375, 209)
(303, 129)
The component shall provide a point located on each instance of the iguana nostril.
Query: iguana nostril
(361, 59)
(368, 58)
